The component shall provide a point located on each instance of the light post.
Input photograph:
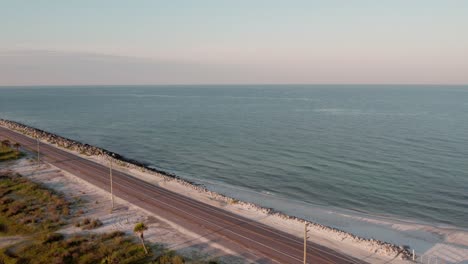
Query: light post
(37, 139)
(305, 242)
(111, 187)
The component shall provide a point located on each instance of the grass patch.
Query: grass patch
(8, 153)
(109, 248)
(115, 247)
(169, 257)
(26, 207)
(87, 223)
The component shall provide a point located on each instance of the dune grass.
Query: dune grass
(114, 247)
(8, 153)
(87, 223)
(26, 207)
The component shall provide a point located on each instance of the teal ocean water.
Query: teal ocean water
(388, 151)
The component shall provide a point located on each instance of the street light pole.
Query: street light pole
(37, 139)
(111, 187)
(305, 243)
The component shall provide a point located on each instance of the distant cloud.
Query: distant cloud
(45, 67)
(34, 67)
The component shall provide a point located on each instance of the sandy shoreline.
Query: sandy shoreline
(371, 250)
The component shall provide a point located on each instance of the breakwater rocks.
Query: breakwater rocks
(76, 146)
(373, 245)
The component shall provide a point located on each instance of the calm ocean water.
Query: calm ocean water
(396, 151)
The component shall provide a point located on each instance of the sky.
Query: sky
(233, 42)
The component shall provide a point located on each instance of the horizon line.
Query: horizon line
(232, 84)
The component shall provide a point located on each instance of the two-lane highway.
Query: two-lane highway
(250, 238)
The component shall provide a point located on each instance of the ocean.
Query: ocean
(391, 152)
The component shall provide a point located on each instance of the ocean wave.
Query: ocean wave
(357, 112)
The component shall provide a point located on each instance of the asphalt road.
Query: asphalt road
(251, 239)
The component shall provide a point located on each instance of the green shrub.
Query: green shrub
(87, 223)
(53, 237)
(178, 260)
(3, 228)
(170, 257)
(27, 207)
(96, 248)
(95, 223)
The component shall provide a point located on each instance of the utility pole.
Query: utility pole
(111, 187)
(305, 242)
(37, 138)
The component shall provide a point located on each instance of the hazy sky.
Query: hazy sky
(217, 41)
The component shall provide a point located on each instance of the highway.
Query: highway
(249, 238)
